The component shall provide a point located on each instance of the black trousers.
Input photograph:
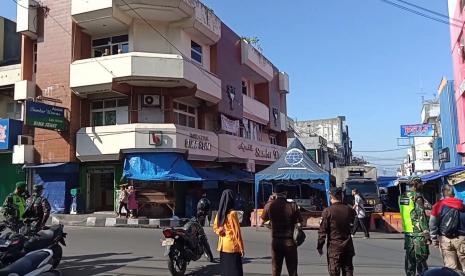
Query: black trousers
(360, 222)
(284, 249)
(125, 205)
(341, 265)
(231, 264)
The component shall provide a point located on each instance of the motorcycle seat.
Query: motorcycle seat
(46, 234)
(26, 264)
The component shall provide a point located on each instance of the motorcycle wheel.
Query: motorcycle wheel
(57, 255)
(176, 264)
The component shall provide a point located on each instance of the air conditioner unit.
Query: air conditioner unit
(25, 140)
(151, 100)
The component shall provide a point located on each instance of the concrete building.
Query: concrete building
(335, 132)
(138, 78)
(317, 149)
(11, 125)
(458, 59)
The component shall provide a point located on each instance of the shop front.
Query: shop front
(159, 160)
(10, 173)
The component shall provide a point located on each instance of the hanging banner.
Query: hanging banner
(9, 131)
(45, 116)
(228, 125)
(421, 130)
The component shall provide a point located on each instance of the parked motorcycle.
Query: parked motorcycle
(34, 263)
(185, 244)
(14, 246)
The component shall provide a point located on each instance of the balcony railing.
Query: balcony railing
(256, 61)
(256, 110)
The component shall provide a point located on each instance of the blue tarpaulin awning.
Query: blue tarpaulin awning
(160, 166)
(387, 181)
(443, 173)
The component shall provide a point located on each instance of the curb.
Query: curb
(119, 222)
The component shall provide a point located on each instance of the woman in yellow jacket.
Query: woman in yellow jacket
(230, 244)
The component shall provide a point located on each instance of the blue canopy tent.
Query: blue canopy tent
(387, 181)
(294, 164)
(440, 174)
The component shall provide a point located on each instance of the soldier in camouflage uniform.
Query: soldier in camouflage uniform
(14, 205)
(416, 229)
(38, 207)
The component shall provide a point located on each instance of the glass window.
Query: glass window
(196, 52)
(110, 45)
(97, 105)
(109, 103)
(185, 115)
(101, 41)
(123, 102)
(97, 118)
(120, 38)
(124, 48)
(110, 117)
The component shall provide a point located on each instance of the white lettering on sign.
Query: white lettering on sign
(197, 141)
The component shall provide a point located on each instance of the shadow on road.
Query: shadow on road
(87, 265)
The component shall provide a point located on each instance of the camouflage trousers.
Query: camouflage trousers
(416, 254)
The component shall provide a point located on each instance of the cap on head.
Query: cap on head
(416, 182)
(38, 187)
(21, 185)
(336, 193)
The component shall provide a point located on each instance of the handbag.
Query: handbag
(299, 235)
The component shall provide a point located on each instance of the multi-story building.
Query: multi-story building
(458, 59)
(447, 155)
(317, 149)
(11, 125)
(335, 132)
(138, 79)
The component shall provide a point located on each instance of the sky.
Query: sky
(362, 59)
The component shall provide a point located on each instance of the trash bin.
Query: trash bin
(74, 201)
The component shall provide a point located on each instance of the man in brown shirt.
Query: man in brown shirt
(284, 215)
(335, 228)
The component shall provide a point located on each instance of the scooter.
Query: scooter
(38, 262)
(183, 245)
(14, 246)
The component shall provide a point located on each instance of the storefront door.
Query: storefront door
(100, 189)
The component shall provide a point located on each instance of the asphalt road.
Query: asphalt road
(126, 251)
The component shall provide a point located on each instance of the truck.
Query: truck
(362, 178)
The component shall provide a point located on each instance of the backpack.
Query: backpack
(449, 225)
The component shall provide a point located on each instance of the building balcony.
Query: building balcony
(97, 75)
(10, 74)
(107, 143)
(26, 18)
(256, 111)
(24, 90)
(283, 82)
(256, 61)
(238, 149)
(105, 16)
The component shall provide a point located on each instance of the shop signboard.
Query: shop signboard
(9, 131)
(420, 130)
(45, 116)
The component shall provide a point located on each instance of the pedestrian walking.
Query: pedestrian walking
(360, 218)
(132, 202)
(284, 215)
(335, 230)
(230, 243)
(123, 201)
(415, 225)
(447, 229)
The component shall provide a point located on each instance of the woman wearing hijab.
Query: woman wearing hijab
(230, 244)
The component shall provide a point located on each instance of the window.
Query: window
(109, 112)
(462, 4)
(461, 45)
(185, 115)
(13, 110)
(244, 87)
(196, 52)
(251, 130)
(273, 140)
(110, 46)
(34, 57)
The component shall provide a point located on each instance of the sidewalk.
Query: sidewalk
(110, 219)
